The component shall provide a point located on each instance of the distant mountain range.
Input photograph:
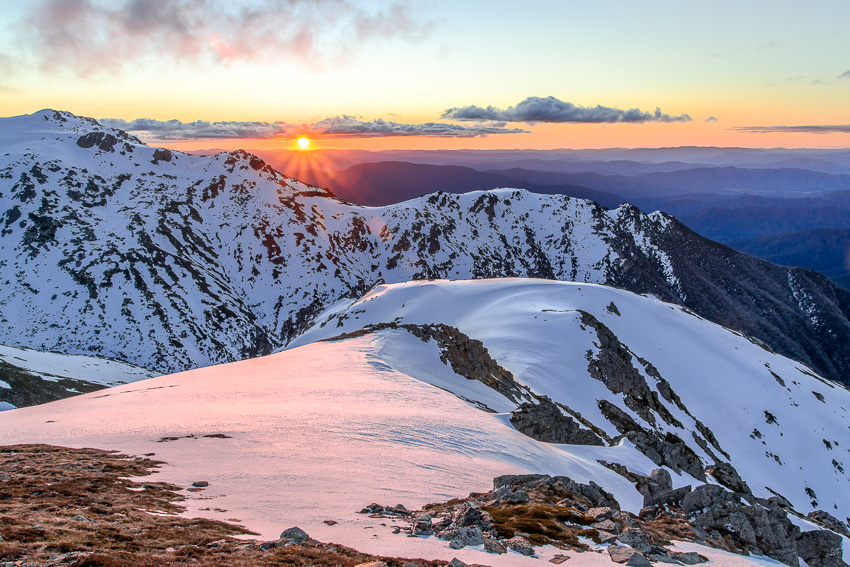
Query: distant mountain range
(172, 261)
(699, 200)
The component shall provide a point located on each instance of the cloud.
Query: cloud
(845, 75)
(344, 126)
(88, 37)
(814, 129)
(550, 109)
(336, 127)
(177, 130)
(712, 119)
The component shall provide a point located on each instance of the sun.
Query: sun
(304, 143)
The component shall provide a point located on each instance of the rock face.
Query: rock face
(127, 233)
(544, 421)
(762, 528)
(826, 519)
(820, 548)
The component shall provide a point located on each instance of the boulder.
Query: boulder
(627, 556)
(423, 526)
(459, 537)
(662, 479)
(456, 563)
(635, 538)
(603, 513)
(820, 548)
(725, 474)
(494, 546)
(520, 545)
(471, 514)
(293, 535)
(687, 557)
(508, 495)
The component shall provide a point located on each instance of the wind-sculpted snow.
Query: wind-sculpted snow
(688, 393)
(173, 261)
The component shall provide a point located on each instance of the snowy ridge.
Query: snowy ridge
(278, 437)
(782, 427)
(173, 261)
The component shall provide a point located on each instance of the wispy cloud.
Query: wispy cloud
(336, 127)
(712, 119)
(550, 109)
(812, 129)
(845, 75)
(90, 36)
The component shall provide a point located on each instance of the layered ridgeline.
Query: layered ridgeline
(173, 261)
(426, 391)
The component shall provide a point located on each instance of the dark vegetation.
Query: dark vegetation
(63, 507)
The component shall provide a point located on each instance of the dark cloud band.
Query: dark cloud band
(552, 110)
(813, 129)
(343, 126)
(336, 127)
(177, 130)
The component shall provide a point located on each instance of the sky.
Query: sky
(430, 74)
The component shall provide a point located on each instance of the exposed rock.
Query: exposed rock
(422, 526)
(102, 140)
(545, 422)
(635, 538)
(594, 493)
(826, 519)
(662, 479)
(718, 514)
(687, 557)
(456, 563)
(508, 495)
(820, 548)
(161, 154)
(603, 513)
(494, 546)
(462, 536)
(373, 564)
(293, 535)
(667, 450)
(520, 545)
(200, 484)
(471, 514)
(627, 556)
(725, 474)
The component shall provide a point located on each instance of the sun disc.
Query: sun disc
(303, 143)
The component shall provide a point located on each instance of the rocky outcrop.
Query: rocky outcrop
(725, 474)
(667, 449)
(546, 422)
(762, 528)
(829, 521)
(820, 548)
(467, 356)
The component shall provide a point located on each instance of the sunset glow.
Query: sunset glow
(303, 143)
(738, 74)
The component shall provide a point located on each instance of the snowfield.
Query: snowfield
(320, 430)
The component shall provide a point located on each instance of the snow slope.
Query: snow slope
(318, 431)
(173, 261)
(314, 433)
(782, 427)
(23, 369)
